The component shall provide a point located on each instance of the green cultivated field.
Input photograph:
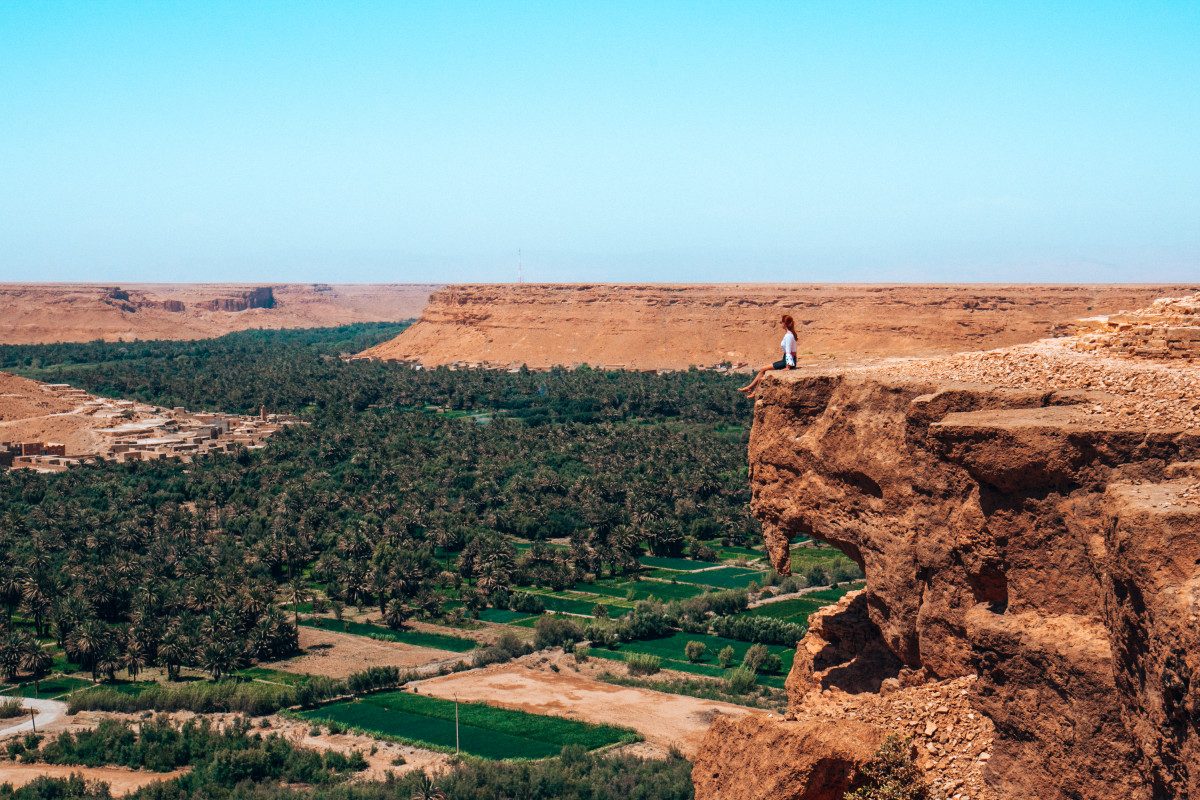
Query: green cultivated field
(485, 731)
(798, 609)
(670, 650)
(50, 688)
(439, 641)
(680, 564)
(725, 577)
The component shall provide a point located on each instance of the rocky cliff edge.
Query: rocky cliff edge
(1028, 520)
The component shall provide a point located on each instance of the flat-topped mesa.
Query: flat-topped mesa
(1029, 516)
(662, 327)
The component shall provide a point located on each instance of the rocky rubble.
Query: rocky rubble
(1028, 521)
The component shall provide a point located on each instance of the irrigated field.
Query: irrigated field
(483, 730)
(671, 650)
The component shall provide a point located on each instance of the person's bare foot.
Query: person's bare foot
(745, 389)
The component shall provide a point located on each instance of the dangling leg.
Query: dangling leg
(749, 388)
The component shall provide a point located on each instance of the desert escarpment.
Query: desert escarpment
(1028, 520)
(659, 326)
(45, 313)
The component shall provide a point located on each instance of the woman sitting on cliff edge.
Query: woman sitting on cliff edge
(787, 362)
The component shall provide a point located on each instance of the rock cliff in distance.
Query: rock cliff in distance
(43, 313)
(1028, 520)
(659, 326)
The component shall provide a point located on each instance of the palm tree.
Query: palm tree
(135, 658)
(173, 652)
(427, 790)
(38, 662)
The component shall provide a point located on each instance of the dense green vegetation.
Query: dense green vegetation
(484, 731)
(380, 499)
(255, 691)
(576, 775)
(419, 493)
(224, 757)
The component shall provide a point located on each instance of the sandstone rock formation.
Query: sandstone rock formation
(83, 312)
(1027, 518)
(673, 327)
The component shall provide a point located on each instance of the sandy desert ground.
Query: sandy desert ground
(36, 313)
(337, 655)
(659, 326)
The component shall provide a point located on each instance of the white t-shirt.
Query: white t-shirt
(789, 348)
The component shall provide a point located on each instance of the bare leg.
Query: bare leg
(749, 388)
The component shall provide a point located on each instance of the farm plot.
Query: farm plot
(48, 689)
(671, 650)
(484, 731)
(725, 577)
(798, 609)
(677, 564)
(665, 720)
(438, 641)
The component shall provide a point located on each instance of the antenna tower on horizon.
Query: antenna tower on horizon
(520, 268)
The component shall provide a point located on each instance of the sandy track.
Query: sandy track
(48, 712)
(120, 781)
(337, 655)
(665, 720)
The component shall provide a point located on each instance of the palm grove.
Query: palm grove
(404, 488)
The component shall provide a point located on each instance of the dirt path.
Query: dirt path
(120, 781)
(48, 712)
(337, 655)
(665, 720)
(779, 598)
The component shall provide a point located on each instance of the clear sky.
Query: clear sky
(413, 141)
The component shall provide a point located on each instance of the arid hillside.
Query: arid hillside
(41, 313)
(1028, 520)
(673, 327)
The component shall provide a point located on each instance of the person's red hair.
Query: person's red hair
(790, 324)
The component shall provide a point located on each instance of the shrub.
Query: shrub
(582, 652)
(755, 656)
(648, 620)
(556, 631)
(767, 630)
(695, 651)
(11, 707)
(373, 678)
(600, 611)
(526, 602)
(601, 636)
(490, 655)
(643, 664)
(891, 774)
(772, 663)
(739, 680)
(725, 656)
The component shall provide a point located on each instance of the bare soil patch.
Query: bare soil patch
(528, 684)
(337, 655)
(121, 781)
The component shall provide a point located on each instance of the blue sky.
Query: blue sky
(412, 141)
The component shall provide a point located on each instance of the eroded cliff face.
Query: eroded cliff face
(1028, 519)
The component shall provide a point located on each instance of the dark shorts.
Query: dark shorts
(781, 364)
